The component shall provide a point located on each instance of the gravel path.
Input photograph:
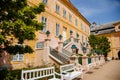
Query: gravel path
(109, 71)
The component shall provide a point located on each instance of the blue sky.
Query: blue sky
(100, 11)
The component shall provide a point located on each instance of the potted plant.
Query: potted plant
(60, 37)
(77, 35)
(71, 32)
(47, 33)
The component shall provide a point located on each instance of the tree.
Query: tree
(17, 22)
(93, 41)
(104, 45)
(99, 44)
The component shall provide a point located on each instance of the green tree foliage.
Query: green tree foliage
(100, 45)
(93, 41)
(17, 21)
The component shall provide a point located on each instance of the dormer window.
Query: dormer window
(96, 31)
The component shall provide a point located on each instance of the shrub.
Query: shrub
(80, 55)
(89, 55)
(80, 60)
(10, 74)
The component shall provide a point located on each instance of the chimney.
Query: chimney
(93, 26)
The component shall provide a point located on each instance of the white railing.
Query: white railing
(70, 72)
(67, 52)
(38, 73)
(60, 56)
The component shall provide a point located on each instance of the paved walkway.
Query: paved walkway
(109, 71)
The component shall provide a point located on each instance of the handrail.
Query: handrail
(60, 56)
(75, 40)
(66, 52)
(66, 42)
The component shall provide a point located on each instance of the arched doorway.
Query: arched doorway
(119, 55)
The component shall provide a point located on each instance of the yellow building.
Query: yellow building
(60, 18)
(112, 32)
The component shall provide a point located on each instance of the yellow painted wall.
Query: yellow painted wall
(114, 39)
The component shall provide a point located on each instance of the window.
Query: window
(64, 13)
(44, 21)
(45, 1)
(70, 17)
(57, 29)
(17, 57)
(40, 45)
(85, 28)
(57, 8)
(76, 22)
(81, 26)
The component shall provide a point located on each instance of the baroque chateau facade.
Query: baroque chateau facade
(60, 18)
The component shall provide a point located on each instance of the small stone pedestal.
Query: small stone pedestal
(60, 46)
(102, 59)
(46, 50)
(97, 60)
(93, 60)
(72, 38)
(74, 59)
(84, 62)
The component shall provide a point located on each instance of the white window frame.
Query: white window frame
(39, 45)
(57, 29)
(57, 8)
(44, 21)
(76, 22)
(70, 17)
(81, 26)
(85, 28)
(64, 13)
(18, 57)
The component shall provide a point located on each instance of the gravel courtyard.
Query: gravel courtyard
(109, 71)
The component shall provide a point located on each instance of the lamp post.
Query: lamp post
(84, 49)
(71, 32)
(60, 37)
(73, 48)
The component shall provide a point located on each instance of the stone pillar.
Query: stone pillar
(72, 39)
(102, 59)
(60, 46)
(97, 60)
(93, 60)
(85, 62)
(46, 51)
(74, 59)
